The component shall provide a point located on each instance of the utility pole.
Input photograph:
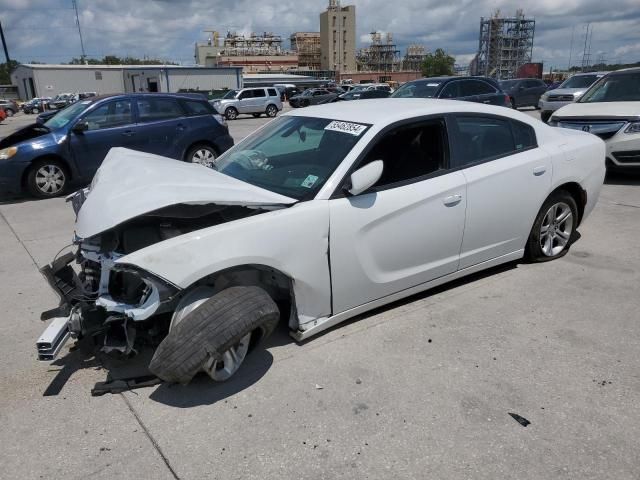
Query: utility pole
(585, 54)
(75, 7)
(571, 48)
(4, 45)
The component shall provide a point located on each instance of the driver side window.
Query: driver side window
(110, 115)
(410, 152)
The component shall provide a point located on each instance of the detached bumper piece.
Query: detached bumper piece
(124, 384)
(53, 339)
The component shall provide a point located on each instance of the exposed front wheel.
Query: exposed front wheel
(231, 113)
(214, 334)
(272, 111)
(47, 178)
(554, 228)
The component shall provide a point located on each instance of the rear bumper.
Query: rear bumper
(224, 143)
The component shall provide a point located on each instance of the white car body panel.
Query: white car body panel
(600, 109)
(387, 241)
(378, 251)
(293, 240)
(130, 183)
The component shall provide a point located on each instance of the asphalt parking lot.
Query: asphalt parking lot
(420, 389)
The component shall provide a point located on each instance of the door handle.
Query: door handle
(537, 171)
(452, 200)
(128, 133)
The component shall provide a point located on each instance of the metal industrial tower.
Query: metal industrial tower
(504, 45)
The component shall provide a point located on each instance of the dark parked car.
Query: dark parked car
(46, 116)
(363, 95)
(471, 89)
(524, 92)
(70, 146)
(36, 105)
(10, 107)
(312, 96)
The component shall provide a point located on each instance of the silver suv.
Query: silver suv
(256, 101)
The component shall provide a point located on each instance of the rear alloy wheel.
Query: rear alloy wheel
(272, 111)
(35, 110)
(9, 112)
(46, 179)
(202, 154)
(554, 228)
(231, 113)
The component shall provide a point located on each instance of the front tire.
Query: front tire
(215, 336)
(47, 178)
(554, 228)
(9, 112)
(231, 113)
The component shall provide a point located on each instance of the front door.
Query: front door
(407, 229)
(110, 125)
(508, 178)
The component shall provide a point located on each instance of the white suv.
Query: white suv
(570, 91)
(255, 101)
(610, 109)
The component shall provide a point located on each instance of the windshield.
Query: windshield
(421, 89)
(621, 87)
(292, 156)
(508, 84)
(579, 81)
(231, 94)
(65, 115)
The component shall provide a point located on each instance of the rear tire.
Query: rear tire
(47, 178)
(203, 154)
(554, 228)
(231, 113)
(219, 325)
(272, 111)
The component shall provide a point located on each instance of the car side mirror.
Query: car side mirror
(80, 127)
(365, 177)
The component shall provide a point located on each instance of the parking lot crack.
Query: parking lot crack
(150, 437)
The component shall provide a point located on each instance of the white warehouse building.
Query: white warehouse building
(45, 80)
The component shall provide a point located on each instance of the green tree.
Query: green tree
(114, 60)
(438, 63)
(5, 72)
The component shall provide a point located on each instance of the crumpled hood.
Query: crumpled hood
(622, 110)
(131, 183)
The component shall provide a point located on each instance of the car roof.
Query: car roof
(385, 111)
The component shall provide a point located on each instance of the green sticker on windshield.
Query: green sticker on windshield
(309, 181)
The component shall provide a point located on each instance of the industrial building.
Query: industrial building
(504, 45)
(379, 56)
(42, 80)
(307, 46)
(414, 57)
(338, 37)
(254, 53)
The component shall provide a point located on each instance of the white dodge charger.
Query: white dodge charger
(320, 215)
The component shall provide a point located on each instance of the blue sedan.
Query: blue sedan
(44, 159)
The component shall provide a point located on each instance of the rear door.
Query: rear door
(485, 92)
(162, 125)
(111, 124)
(508, 178)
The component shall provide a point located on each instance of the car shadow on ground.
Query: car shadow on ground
(202, 390)
(619, 178)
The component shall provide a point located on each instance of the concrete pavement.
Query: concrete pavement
(420, 389)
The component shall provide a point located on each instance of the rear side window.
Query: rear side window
(478, 139)
(152, 109)
(259, 92)
(523, 135)
(273, 92)
(451, 90)
(476, 87)
(194, 107)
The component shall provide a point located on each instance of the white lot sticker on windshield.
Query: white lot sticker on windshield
(309, 181)
(432, 84)
(354, 129)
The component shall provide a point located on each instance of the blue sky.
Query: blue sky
(45, 30)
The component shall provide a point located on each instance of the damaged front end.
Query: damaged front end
(116, 303)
